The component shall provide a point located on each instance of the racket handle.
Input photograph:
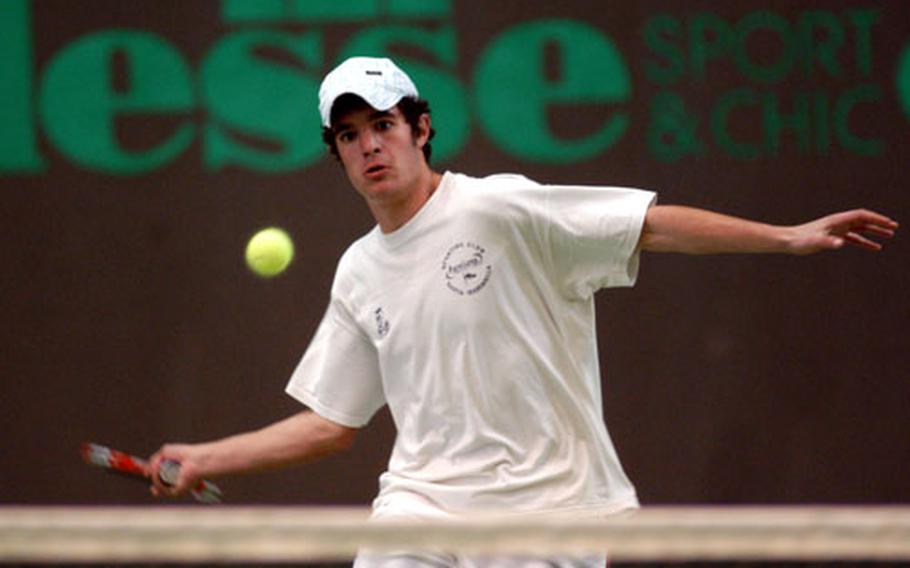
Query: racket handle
(204, 492)
(168, 472)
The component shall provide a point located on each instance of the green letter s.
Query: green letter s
(270, 104)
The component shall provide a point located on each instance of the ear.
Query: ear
(423, 130)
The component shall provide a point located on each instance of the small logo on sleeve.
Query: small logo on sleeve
(466, 269)
(382, 324)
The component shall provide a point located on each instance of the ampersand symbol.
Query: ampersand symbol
(672, 131)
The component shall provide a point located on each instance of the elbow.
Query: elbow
(335, 438)
(342, 440)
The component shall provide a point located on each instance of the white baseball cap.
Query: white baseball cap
(376, 80)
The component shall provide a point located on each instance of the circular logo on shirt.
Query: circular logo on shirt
(465, 268)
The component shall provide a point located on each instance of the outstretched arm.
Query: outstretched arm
(670, 228)
(298, 439)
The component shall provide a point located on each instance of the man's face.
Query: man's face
(381, 155)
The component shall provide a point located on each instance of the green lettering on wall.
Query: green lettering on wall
(821, 36)
(662, 33)
(766, 73)
(738, 99)
(902, 80)
(235, 11)
(79, 105)
(710, 37)
(863, 20)
(18, 135)
(821, 112)
(842, 109)
(263, 112)
(325, 11)
(776, 122)
(420, 8)
(673, 131)
(513, 91)
(447, 98)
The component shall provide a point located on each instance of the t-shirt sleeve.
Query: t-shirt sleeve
(592, 234)
(338, 376)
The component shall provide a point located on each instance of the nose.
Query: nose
(369, 142)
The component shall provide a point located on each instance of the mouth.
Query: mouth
(375, 172)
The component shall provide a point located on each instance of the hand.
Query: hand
(833, 231)
(187, 457)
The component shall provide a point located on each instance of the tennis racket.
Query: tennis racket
(131, 466)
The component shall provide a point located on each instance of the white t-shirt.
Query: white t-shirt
(474, 322)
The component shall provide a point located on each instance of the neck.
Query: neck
(392, 214)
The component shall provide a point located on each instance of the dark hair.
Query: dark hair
(411, 108)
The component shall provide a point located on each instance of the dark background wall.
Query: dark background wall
(144, 142)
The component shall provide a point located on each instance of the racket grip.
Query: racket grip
(168, 472)
(204, 492)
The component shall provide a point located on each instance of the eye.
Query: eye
(384, 125)
(344, 136)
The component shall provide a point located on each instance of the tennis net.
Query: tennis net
(257, 536)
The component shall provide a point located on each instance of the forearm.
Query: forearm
(298, 439)
(670, 228)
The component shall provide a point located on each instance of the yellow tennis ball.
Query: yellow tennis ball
(269, 252)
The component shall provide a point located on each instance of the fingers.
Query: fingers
(877, 230)
(853, 226)
(857, 235)
(865, 216)
(165, 485)
(857, 228)
(861, 241)
(158, 488)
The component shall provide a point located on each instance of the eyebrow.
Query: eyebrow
(381, 114)
(341, 126)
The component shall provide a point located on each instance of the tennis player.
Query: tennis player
(469, 311)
